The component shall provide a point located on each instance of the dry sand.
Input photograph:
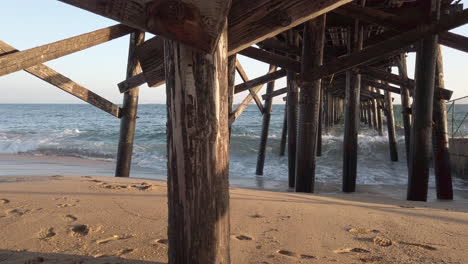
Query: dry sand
(73, 219)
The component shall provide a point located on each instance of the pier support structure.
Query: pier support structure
(350, 141)
(129, 111)
(292, 104)
(309, 105)
(198, 153)
(441, 155)
(391, 127)
(265, 125)
(421, 130)
(405, 104)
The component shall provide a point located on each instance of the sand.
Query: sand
(82, 219)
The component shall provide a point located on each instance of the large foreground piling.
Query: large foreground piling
(129, 111)
(350, 141)
(292, 102)
(405, 104)
(421, 130)
(441, 156)
(265, 125)
(312, 56)
(198, 153)
(391, 127)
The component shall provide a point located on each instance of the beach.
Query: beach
(90, 219)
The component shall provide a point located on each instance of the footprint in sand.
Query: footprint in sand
(16, 212)
(112, 238)
(65, 205)
(35, 260)
(46, 233)
(241, 237)
(124, 251)
(383, 242)
(426, 247)
(370, 259)
(350, 250)
(70, 218)
(160, 241)
(4, 201)
(256, 216)
(143, 186)
(362, 231)
(79, 230)
(288, 253)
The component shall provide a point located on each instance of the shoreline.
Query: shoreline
(40, 165)
(67, 219)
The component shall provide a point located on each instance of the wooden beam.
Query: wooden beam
(245, 78)
(24, 59)
(60, 81)
(391, 46)
(253, 21)
(151, 57)
(271, 76)
(275, 93)
(381, 86)
(197, 24)
(131, 83)
(401, 81)
(236, 113)
(398, 23)
(272, 58)
(277, 45)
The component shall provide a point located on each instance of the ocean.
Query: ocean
(84, 132)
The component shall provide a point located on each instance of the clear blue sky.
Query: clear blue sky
(31, 23)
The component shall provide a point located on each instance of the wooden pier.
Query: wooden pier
(337, 56)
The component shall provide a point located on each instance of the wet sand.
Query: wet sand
(88, 219)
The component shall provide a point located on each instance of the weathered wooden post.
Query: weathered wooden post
(129, 111)
(423, 99)
(441, 155)
(198, 153)
(405, 104)
(391, 127)
(378, 111)
(265, 125)
(309, 111)
(284, 132)
(319, 132)
(353, 86)
(369, 113)
(292, 102)
(231, 83)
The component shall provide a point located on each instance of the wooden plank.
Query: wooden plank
(60, 81)
(391, 46)
(253, 21)
(271, 76)
(398, 23)
(198, 154)
(196, 23)
(24, 59)
(275, 93)
(129, 111)
(151, 57)
(245, 78)
(131, 83)
(405, 104)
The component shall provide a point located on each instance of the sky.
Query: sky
(30, 23)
